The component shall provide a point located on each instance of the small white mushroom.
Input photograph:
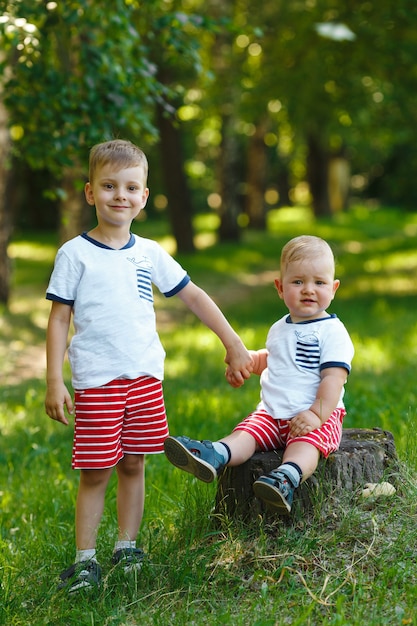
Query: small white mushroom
(378, 489)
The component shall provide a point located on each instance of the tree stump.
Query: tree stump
(364, 456)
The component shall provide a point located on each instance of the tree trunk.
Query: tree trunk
(179, 202)
(256, 177)
(318, 176)
(5, 221)
(229, 182)
(339, 183)
(365, 455)
(75, 214)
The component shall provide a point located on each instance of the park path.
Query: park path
(22, 339)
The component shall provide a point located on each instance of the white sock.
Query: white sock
(124, 544)
(85, 555)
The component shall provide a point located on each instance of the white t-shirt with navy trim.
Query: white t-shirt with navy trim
(111, 295)
(297, 353)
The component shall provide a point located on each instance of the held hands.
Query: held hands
(303, 423)
(239, 365)
(58, 397)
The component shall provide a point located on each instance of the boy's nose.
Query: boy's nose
(119, 193)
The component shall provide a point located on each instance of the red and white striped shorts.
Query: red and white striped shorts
(272, 434)
(122, 417)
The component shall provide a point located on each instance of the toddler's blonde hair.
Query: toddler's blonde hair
(303, 248)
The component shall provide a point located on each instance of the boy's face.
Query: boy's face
(118, 196)
(307, 288)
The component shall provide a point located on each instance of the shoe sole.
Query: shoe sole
(85, 586)
(272, 497)
(181, 457)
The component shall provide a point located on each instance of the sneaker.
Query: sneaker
(276, 490)
(196, 457)
(130, 559)
(83, 575)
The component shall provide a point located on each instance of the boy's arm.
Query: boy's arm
(237, 356)
(57, 395)
(327, 398)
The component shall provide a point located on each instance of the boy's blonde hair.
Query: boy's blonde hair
(303, 248)
(120, 153)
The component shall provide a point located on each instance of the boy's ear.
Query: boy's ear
(88, 191)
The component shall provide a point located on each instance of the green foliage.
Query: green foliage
(351, 562)
(77, 74)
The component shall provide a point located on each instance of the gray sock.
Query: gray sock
(291, 472)
(222, 449)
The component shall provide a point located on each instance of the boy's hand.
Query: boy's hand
(235, 379)
(58, 397)
(239, 365)
(303, 423)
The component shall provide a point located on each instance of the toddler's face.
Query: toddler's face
(307, 288)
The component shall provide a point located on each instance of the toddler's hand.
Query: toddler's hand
(303, 423)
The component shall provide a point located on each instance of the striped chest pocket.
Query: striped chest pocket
(144, 283)
(307, 351)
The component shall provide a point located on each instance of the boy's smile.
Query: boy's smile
(118, 196)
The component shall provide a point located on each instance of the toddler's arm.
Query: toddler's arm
(259, 360)
(327, 398)
(57, 395)
(237, 357)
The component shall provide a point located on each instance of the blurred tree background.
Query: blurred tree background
(241, 107)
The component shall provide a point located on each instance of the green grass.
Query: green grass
(351, 563)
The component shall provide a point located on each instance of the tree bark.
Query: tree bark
(318, 176)
(179, 202)
(365, 455)
(256, 177)
(229, 181)
(5, 221)
(75, 214)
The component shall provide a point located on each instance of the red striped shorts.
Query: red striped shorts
(122, 417)
(272, 434)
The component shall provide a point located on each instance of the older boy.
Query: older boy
(103, 280)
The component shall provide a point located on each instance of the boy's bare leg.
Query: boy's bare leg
(130, 495)
(90, 505)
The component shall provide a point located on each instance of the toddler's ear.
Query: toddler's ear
(336, 284)
(278, 285)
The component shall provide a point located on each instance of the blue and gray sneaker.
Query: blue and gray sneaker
(130, 559)
(276, 490)
(84, 575)
(196, 457)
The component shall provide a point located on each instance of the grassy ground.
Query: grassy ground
(351, 563)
